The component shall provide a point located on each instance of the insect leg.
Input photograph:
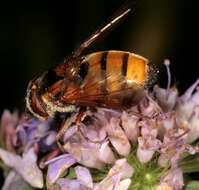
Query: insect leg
(80, 117)
(63, 129)
(137, 114)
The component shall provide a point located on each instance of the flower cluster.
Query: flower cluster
(142, 148)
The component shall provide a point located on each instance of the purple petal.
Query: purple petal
(94, 132)
(84, 176)
(56, 168)
(85, 153)
(67, 184)
(9, 159)
(70, 132)
(106, 154)
(116, 181)
(25, 166)
(48, 143)
(22, 136)
(14, 182)
(189, 92)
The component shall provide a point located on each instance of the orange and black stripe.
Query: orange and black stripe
(125, 63)
(121, 64)
(103, 63)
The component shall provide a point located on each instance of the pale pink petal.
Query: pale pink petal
(184, 111)
(189, 92)
(186, 103)
(8, 124)
(146, 148)
(106, 154)
(163, 160)
(166, 97)
(122, 168)
(149, 107)
(173, 178)
(194, 127)
(124, 184)
(149, 128)
(105, 184)
(5, 119)
(164, 186)
(109, 184)
(117, 137)
(129, 124)
(9, 159)
(166, 123)
(31, 173)
(144, 155)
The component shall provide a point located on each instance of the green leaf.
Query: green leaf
(192, 185)
(28, 188)
(2, 144)
(190, 163)
(5, 169)
(72, 174)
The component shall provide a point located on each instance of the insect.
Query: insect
(108, 79)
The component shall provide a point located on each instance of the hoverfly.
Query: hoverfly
(107, 79)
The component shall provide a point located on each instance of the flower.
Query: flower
(26, 166)
(173, 179)
(25, 140)
(141, 148)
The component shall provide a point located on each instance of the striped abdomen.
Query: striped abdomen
(118, 64)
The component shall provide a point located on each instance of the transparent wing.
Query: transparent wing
(102, 89)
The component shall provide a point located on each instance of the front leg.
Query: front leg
(64, 127)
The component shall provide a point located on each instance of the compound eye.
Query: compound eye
(36, 105)
(32, 101)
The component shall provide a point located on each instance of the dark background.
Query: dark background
(36, 34)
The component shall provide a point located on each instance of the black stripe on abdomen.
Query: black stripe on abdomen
(124, 68)
(125, 64)
(103, 71)
(103, 60)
